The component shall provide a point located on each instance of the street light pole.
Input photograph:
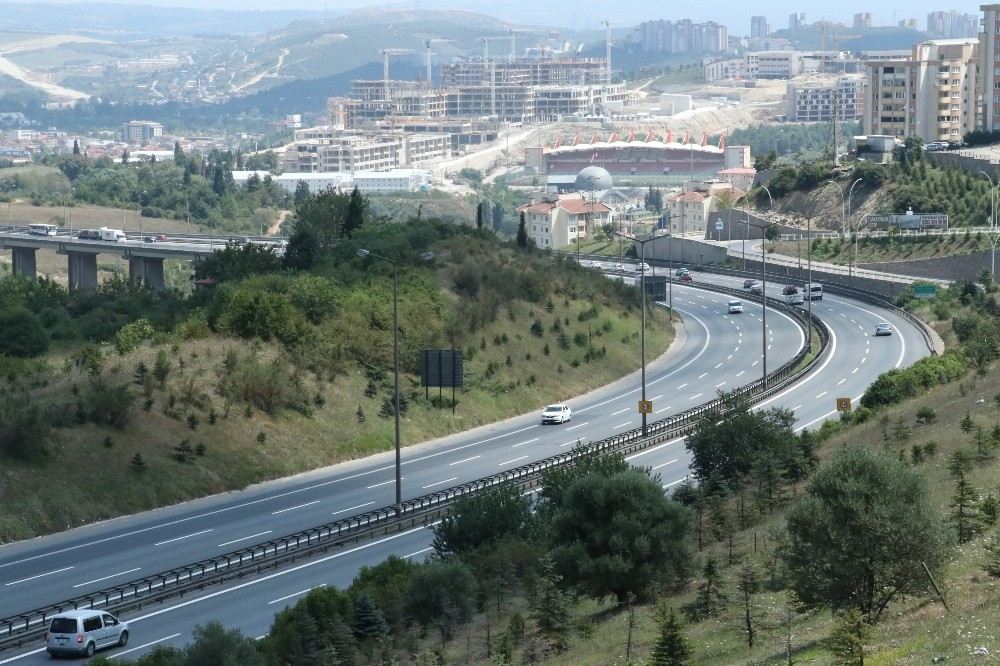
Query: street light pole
(395, 355)
(642, 305)
(809, 262)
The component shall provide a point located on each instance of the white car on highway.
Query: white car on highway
(735, 307)
(558, 413)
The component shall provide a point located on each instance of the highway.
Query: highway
(714, 351)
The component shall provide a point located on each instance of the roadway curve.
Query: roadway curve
(714, 351)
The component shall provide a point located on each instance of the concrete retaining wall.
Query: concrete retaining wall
(965, 266)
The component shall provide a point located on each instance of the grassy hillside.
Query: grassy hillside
(240, 402)
(891, 248)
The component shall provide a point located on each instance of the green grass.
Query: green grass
(892, 249)
(43, 499)
(914, 631)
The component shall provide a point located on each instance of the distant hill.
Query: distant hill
(118, 21)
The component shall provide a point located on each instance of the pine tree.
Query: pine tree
(137, 462)
(497, 216)
(963, 504)
(522, 233)
(550, 608)
(967, 424)
(748, 584)
(992, 564)
(479, 215)
(357, 209)
(76, 146)
(178, 154)
(711, 600)
(848, 638)
(125, 156)
(369, 622)
(671, 647)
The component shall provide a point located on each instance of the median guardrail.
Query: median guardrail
(21, 627)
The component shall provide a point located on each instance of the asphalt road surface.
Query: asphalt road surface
(715, 351)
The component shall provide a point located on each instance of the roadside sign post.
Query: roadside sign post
(844, 405)
(645, 406)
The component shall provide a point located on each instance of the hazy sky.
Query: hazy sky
(576, 14)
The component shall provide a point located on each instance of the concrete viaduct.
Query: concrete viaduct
(145, 259)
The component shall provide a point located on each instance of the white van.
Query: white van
(83, 632)
(113, 235)
(815, 291)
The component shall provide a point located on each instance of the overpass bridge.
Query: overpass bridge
(145, 252)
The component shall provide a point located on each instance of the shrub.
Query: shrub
(21, 333)
(926, 415)
(899, 384)
(268, 386)
(130, 336)
(24, 430)
(109, 404)
(137, 463)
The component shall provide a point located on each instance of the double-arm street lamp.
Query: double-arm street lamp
(642, 334)
(843, 207)
(426, 256)
(746, 197)
(994, 233)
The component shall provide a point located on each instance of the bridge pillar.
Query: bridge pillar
(147, 269)
(24, 261)
(82, 271)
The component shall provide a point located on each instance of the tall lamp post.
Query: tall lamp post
(763, 298)
(642, 333)
(395, 366)
(850, 194)
(426, 256)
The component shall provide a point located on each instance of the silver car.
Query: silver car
(83, 632)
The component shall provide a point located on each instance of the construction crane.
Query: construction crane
(513, 40)
(430, 61)
(385, 68)
(607, 46)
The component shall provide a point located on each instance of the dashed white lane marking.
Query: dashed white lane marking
(702, 375)
(656, 397)
(384, 483)
(98, 580)
(571, 442)
(681, 386)
(142, 647)
(696, 396)
(720, 385)
(719, 365)
(186, 536)
(293, 508)
(295, 594)
(620, 411)
(47, 573)
(511, 461)
(672, 483)
(621, 425)
(820, 395)
(514, 446)
(440, 483)
(418, 552)
(459, 462)
(754, 364)
(842, 381)
(578, 425)
(352, 508)
(728, 358)
(669, 462)
(854, 370)
(252, 536)
(796, 408)
(660, 411)
(740, 373)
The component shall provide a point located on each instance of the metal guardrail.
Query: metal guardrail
(841, 290)
(28, 625)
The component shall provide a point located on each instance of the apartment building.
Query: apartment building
(351, 153)
(141, 131)
(773, 64)
(862, 20)
(932, 94)
(952, 24)
(759, 27)
(555, 223)
(683, 36)
(525, 72)
(822, 100)
(989, 68)
(796, 21)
